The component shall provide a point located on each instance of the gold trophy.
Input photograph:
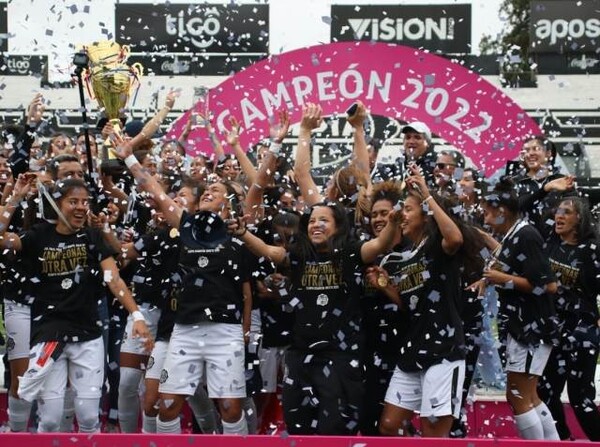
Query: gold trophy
(112, 82)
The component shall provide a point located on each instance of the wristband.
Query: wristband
(137, 316)
(130, 161)
(427, 199)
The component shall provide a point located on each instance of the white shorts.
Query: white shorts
(136, 345)
(217, 348)
(437, 391)
(271, 367)
(17, 321)
(521, 359)
(157, 360)
(49, 367)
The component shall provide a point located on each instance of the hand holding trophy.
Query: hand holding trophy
(112, 82)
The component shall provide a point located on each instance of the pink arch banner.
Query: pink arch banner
(394, 81)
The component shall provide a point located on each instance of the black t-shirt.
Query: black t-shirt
(167, 318)
(576, 268)
(530, 318)
(152, 281)
(212, 281)
(428, 281)
(538, 205)
(384, 324)
(325, 298)
(66, 282)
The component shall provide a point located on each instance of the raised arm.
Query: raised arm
(452, 238)
(147, 182)
(19, 160)
(311, 119)
(360, 155)
(277, 255)
(384, 242)
(21, 189)
(233, 139)
(124, 150)
(267, 168)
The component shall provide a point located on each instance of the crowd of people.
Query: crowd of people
(228, 282)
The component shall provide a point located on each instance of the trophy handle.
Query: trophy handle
(125, 50)
(137, 69)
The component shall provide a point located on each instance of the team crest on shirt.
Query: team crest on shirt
(414, 300)
(164, 375)
(150, 363)
(10, 344)
(322, 300)
(202, 261)
(66, 283)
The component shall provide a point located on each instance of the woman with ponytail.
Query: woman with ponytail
(527, 320)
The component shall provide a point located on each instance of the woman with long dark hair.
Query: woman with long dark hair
(384, 323)
(573, 250)
(525, 283)
(67, 263)
(213, 304)
(424, 279)
(322, 389)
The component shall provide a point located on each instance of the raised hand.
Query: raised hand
(35, 110)
(171, 97)
(122, 148)
(279, 130)
(311, 116)
(357, 119)
(233, 135)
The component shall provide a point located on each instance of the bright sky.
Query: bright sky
(53, 27)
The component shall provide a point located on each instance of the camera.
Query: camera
(81, 59)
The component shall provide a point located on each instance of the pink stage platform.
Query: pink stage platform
(490, 423)
(119, 440)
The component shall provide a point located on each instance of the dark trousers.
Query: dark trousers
(379, 368)
(573, 363)
(322, 393)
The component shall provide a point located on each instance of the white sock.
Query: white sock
(548, 424)
(86, 411)
(18, 413)
(171, 427)
(129, 399)
(236, 428)
(204, 411)
(148, 423)
(67, 423)
(530, 425)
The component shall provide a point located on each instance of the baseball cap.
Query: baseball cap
(419, 127)
(204, 229)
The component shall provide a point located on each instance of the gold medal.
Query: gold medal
(173, 233)
(382, 281)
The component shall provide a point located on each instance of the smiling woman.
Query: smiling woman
(323, 387)
(67, 266)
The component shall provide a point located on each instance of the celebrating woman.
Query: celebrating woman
(322, 390)
(67, 263)
(574, 258)
(425, 281)
(213, 304)
(525, 284)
